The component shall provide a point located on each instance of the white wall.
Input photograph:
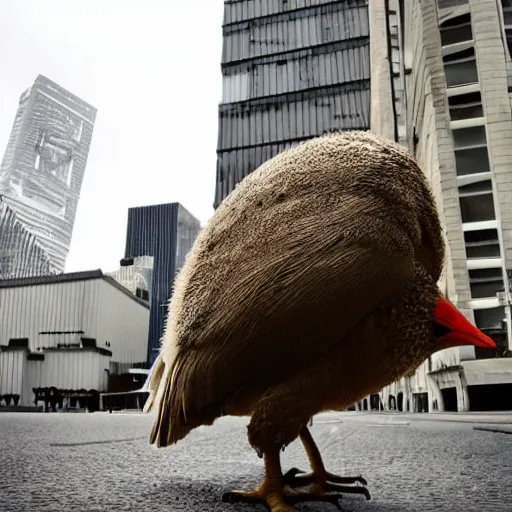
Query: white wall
(121, 321)
(64, 369)
(31, 379)
(93, 306)
(12, 364)
(70, 369)
(26, 311)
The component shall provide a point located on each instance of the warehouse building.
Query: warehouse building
(70, 332)
(441, 86)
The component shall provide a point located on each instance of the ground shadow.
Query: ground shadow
(194, 495)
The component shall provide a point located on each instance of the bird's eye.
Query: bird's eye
(440, 330)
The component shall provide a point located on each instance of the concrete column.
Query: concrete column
(462, 395)
(381, 109)
(434, 394)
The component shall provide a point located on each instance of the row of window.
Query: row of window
(294, 117)
(305, 70)
(443, 4)
(236, 11)
(460, 66)
(472, 159)
(337, 23)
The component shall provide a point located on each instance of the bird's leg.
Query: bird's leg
(273, 493)
(270, 492)
(277, 420)
(320, 477)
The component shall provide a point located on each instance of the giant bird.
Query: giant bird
(313, 285)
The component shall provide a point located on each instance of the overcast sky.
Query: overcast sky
(152, 69)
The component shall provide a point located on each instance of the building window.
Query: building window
(460, 68)
(142, 294)
(456, 30)
(443, 4)
(483, 243)
(477, 208)
(491, 318)
(465, 106)
(469, 137)
(472, 160)
(474, 189)
(485, 282)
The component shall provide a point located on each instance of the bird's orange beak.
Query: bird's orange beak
(456, 329)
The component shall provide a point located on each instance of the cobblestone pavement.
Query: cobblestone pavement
(102, 462)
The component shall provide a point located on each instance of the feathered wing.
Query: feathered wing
(298, 255)
(300, 309)
(154, 383)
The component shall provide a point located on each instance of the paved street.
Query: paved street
(102, 462)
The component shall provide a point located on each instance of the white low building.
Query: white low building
(69, 331)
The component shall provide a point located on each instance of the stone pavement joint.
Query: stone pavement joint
(497, 430)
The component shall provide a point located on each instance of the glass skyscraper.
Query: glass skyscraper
(40, 179)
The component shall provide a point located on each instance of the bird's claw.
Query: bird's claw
(290, 475)
(296, 478)
(290, 496)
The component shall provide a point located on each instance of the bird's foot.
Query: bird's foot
(296, 478)
(284, 501)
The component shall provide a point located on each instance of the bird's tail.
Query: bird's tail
(154, 384)
(167, 396)
(168, 427)
(170, 423)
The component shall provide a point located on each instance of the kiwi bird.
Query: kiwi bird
(313, 285)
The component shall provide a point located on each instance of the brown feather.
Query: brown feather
(293, 260)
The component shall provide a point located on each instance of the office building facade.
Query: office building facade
(166, 232)
(41, 176)
(446, 95)
(433, 75)
(291, 70)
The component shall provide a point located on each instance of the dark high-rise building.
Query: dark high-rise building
(167, 233)
(41, 177)
(292, 70)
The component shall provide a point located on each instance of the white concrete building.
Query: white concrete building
(70, 331)
(442, 87)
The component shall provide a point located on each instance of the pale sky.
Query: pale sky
(152, 69)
